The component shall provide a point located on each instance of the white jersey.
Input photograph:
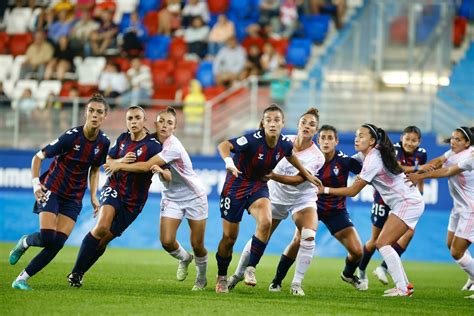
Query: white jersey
(461, 186)
(185, 185)
(393, 188)
(312, 159)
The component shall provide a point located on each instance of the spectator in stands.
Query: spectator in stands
(288, 18)
(220, 33)
(196, 36)
(62, 60)
(73, 96)
(271, 60)
(195, 8)
(44, 20)
(105, 36)
(38, 54)
(112, 82)
(84, 6)
(252, 66)
(335, 8)
(62, 27)
(103, 5)
(4, 99)
(134, 35)
(26, 104)
(269, 13)
(141, 84)
(229, 62)
(169, 17)
(193, 109)
(17, 19)
(80, 33)
(63, 5)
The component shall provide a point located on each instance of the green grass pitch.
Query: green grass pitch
(126, 281)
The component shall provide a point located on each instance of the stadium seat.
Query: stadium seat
(205, 75)
(188, 64)
(146, 6)
(459, 30)
(316, 27)
(241, 27)
(160, 77)
(124, 22)
(4, 39)
(90, 69)
(165, 92)
(178, 49)
(157, 47)
(45, 87)
(15, 70)
(19, 43)
(241, 8)
(150, 21)
(21, 85)
(182, 76)
(87, 90)
(467, 9)
(298, 53)
(167, 65)
(66, 87)
(218, 6)
(124, 6)
(212, 92)
(123, 62)
(6, 64)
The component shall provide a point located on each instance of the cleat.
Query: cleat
(182, 271)
(364, 284)
(75, 279)
(21, 285)
(273, 287)
(470, 296)
(221, 285)
(296, 289)
(398, 292)
(353, 280)
(381, 274)
(233, 281)
(199, 284)
(249, 276)
(17, 251)
(469, 286)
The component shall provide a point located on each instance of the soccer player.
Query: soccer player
(245, 187)
(458, 166)
(331, 210)
(78, 153)
(293, 195)
(183, 197)
(123, 196)
(381, 169)
(411, 158)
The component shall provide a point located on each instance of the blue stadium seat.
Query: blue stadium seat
(467, 9)
(205, 75)
(146, 6)
(316, 27)
(299, 51)
(125, 22)
(241, 8)
(157, 47)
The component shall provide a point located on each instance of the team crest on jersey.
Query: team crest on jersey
(96, 150)
(336, 170)
(139, 152)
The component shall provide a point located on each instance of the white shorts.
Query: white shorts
(462, 224)
(195, 209)
(409, 213)
(280, 211)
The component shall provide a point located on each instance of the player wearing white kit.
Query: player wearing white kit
(381, 169)
(297, 197)
(458, 167)
(183, 197)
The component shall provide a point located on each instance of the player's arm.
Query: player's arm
(290, 180)
(115, 165)
(303, 172)
(164, 174)
(94, 172)
(224, 149)
(438, 173)
(38, 189)
(353, 190)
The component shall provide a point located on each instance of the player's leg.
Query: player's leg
(459, 247)
(350, 239)
(230, 232)
(368, 251)
(198, 230)
(286, 261)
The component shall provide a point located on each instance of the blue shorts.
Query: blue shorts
(59, 205)
(232, 209)
(335, 220)
(379, 214)
(123, 217)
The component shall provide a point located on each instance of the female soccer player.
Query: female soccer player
(411, 158)
(123, 196)
(458, 167)
(381, 169)
(245, 187)
(183, 197)
(293, 195)
(79, 152)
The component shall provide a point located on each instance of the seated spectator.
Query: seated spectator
(84, 6)
(220, 33)
(252, 66)
(195, 8)
(26, 104)
(63, 5)
(105, 36)
(288, 18)
(229, 62)
(38, 54)
(141, 84)
(103, 5)
(62, 27)
(169, 18)
(80, 34)
(269, 12)
(193, 108)
(112, 82)
(196, 37)
(62, 60)
(4, 99)
(44, 20)
(17, 19)
(271, 61)
(134, 35)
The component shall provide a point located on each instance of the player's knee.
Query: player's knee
(167, 243)
(229, 240)
(100, 231)
(48, 237)
(308, 234)
(456, 253)
(380, 243)
(356, 253)
(265, 225)
(197, 245)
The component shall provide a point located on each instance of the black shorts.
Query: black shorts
(232, 209)
(59, 205)
(379, 214)
(335, 220)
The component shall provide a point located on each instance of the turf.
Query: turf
(128, 281)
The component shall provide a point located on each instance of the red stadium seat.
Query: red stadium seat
(19, 43)
(167, 65)
(178, 49)
(160, 77)
(188, 64)
(67, 86)
(459, 30)
(218, 6)
(212, 92)
(4, 39)
(249, 41)
(124, 63)
(165, 92)
(182, 76)
(281, 45)
(151, 22)
(87, 91)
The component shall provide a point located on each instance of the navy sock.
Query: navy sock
(41, 239)
(398, 249)
(367, 255)
(350, 267)
(222, 264)
(46, 255)
(256, 251)
(282, 269)
(87, 253)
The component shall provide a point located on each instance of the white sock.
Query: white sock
(395, 267)
(22, 276)
(244, 259)
(303, 260)
(201, 267)
(180, 253)
(467, 264)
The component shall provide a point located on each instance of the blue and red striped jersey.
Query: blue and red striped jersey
(418, 157)
(133, 187)
(334, 174)
(254, 159)
(75, 154)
